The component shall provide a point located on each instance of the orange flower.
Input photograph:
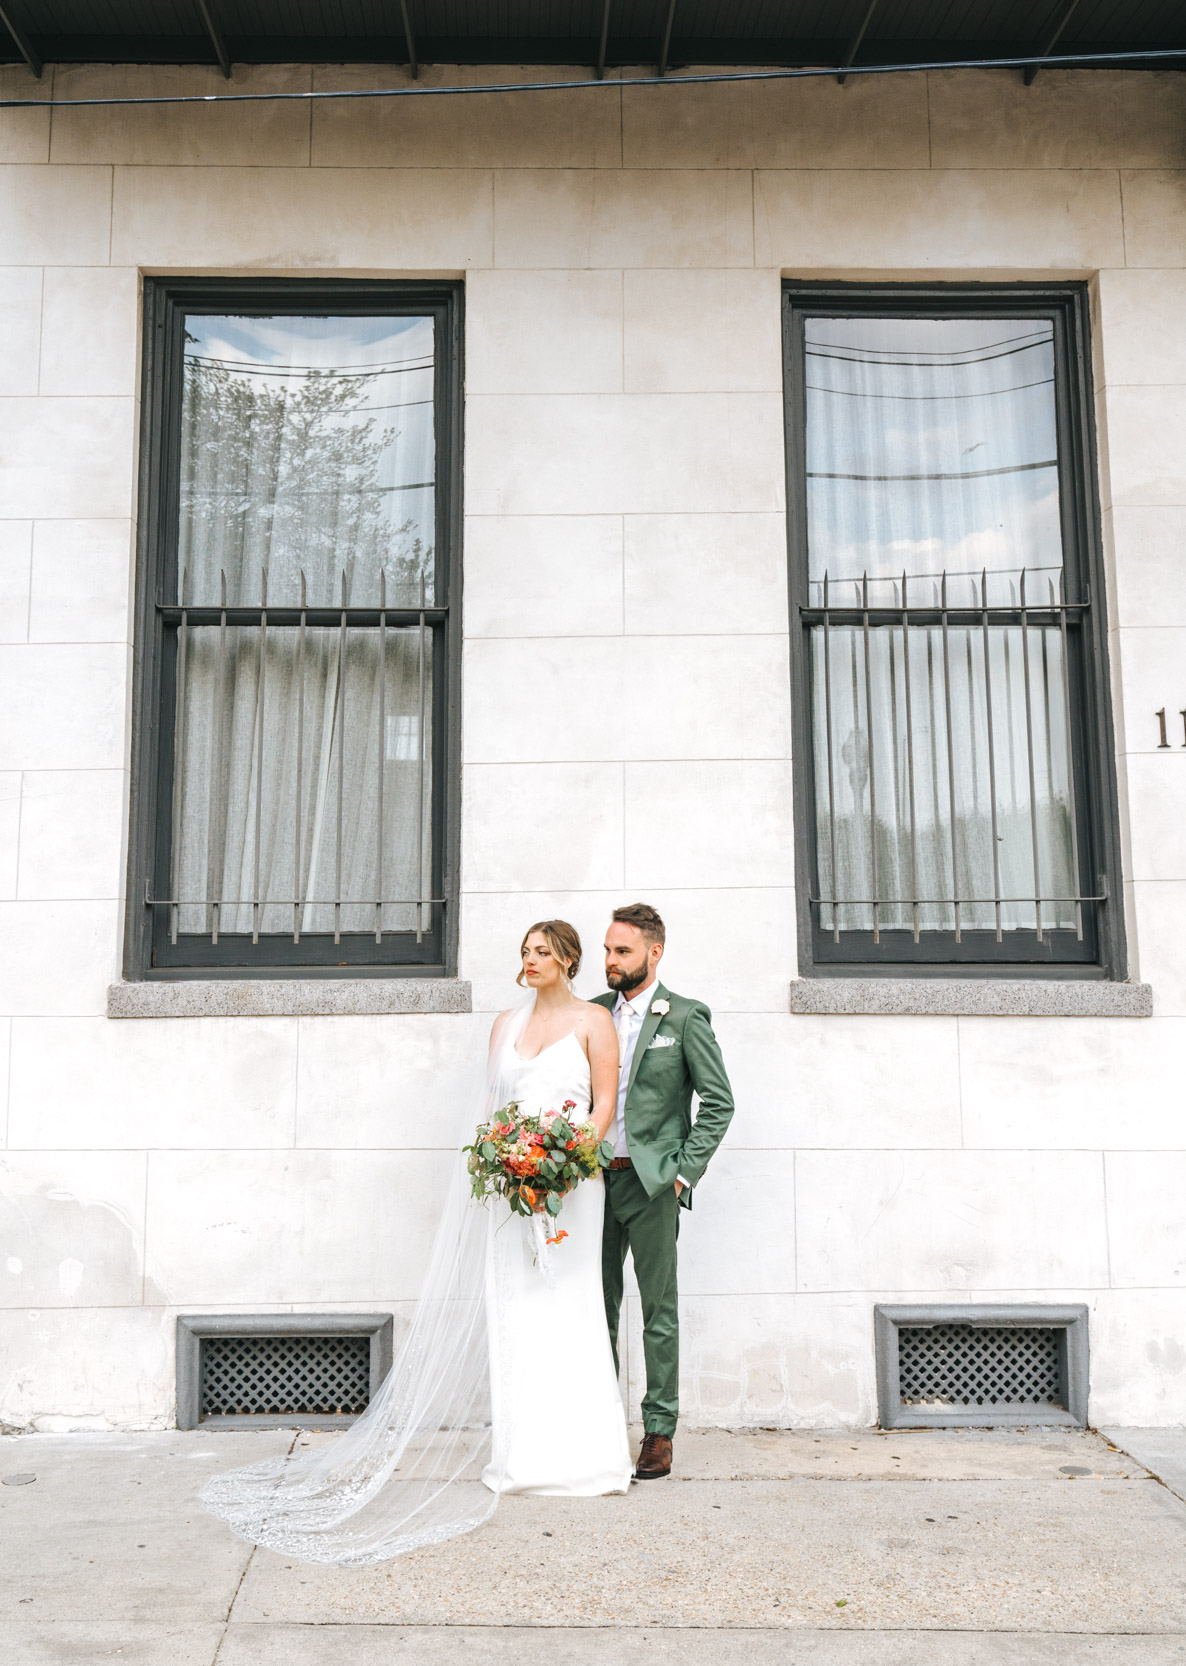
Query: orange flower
(557, 1238)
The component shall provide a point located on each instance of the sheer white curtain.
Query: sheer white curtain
(941, 768)
(315, 782)
(305, 761)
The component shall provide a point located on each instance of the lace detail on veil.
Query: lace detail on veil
(408, 1473)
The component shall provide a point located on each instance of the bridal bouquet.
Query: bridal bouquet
(533, 1161)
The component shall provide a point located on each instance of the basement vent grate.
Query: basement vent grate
(279, 1370)
(975, 1365)
(948, 1365)
(279, 1376)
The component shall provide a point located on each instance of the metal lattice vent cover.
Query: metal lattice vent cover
(975, 1365)
(276, 1376)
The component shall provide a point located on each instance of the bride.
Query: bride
(505, 1380)
(551, 1370)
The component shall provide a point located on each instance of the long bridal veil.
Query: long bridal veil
(408, 1472)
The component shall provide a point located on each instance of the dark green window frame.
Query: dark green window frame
(153, 949)
(1100, 951)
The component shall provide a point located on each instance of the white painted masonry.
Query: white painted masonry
(624, 545)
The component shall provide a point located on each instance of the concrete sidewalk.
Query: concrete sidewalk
(979, 1548)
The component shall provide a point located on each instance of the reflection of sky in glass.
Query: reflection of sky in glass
(307, 446)
(931, 446)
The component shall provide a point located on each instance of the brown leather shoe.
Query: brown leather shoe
(654, 1461)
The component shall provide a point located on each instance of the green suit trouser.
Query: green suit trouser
(648, 1228)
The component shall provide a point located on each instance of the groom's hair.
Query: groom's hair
(644, 918)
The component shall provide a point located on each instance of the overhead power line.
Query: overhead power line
(419, 90)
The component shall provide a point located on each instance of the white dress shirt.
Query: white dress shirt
(628, 1014)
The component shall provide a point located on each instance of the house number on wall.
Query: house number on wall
(1160, 716)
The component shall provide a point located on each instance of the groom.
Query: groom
(667, 1049)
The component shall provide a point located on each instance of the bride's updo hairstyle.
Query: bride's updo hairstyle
(564, 946)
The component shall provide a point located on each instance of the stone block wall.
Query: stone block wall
(626, 712)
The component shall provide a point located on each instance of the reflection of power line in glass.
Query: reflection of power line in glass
(384, 367)
(971, 474)
(336, 490)
(944, 363)
(401, 405)
(1038, 333)
(916, 398)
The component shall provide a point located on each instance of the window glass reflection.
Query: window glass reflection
(931, 446)
(307, 446)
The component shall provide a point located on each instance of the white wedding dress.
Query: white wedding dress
(558, 1423)
(503, 1381)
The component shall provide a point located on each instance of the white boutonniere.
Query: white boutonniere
(661, 1007)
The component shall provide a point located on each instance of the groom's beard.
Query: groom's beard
(625, 983)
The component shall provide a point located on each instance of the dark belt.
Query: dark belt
(620, 1163)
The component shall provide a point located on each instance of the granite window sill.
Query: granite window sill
(973, 997)
(288, 997)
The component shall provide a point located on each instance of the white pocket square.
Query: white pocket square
(661, 1041)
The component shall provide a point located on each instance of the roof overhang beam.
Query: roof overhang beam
(1029, 74)
(410, 39)
(216, 38)
(854, 46)
(22, 42)
(665, 49)
(604, 40)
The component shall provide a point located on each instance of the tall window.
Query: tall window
(294, 794)
(956, 798)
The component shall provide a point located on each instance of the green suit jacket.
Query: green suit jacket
(662, 1138)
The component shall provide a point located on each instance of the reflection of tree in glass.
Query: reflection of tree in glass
(289, 478)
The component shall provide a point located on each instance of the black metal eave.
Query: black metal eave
(584, 51)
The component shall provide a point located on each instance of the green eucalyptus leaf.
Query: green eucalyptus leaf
(553, 1203)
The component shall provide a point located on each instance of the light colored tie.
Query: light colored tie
(624, 1014)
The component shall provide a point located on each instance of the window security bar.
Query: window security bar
(857, 619)
(306, 901)
(297, 904)
(925, 902)
(184, 618)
